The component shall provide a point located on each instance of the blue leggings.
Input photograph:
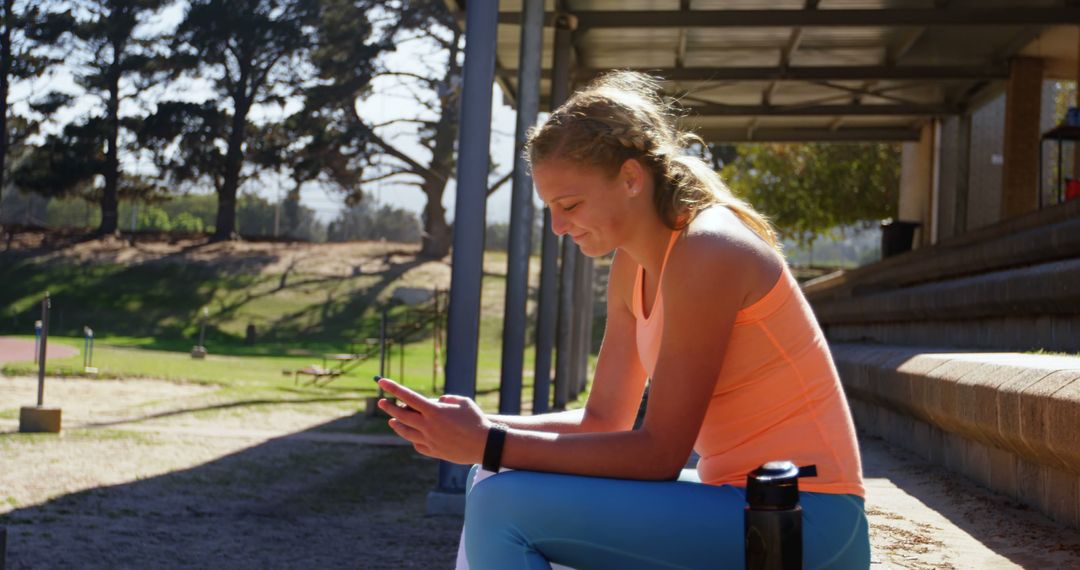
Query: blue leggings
(524, 519)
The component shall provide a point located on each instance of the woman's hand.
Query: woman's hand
(452, 428)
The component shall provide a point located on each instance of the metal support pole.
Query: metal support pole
(521, 210)
(560, 91)
(481, 23)
(564, 357)
(436, 337)
(382, 346)
(545, 317)
(583, 311)
(577, 323)
(547, 306)
(963, 168)
(46, 304)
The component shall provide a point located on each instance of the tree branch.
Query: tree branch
(395, 121)
(498, 183)
(387, 175)
(416, 76)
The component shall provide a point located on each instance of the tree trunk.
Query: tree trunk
(292, 213)
(225, 227)
(5, 70)
(438, 235)
(110, 195)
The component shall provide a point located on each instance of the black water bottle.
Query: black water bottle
(772, 519)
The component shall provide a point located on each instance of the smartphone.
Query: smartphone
(396, 401)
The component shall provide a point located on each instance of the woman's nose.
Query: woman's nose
(559, 225)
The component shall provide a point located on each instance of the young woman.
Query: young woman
(701, 302)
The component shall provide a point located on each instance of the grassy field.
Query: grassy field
(306, 302)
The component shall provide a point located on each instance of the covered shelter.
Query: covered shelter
(966, 86)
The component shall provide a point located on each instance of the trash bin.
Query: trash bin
(897, 237)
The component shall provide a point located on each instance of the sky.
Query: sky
(389, 101)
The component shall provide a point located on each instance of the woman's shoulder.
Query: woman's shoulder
(720, 249)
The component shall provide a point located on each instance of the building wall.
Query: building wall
(984, 178)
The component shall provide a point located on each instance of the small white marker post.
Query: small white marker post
(88, 352)
(199, 351)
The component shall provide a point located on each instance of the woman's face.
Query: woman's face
(588, 204)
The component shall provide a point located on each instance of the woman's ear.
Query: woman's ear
(632, 176)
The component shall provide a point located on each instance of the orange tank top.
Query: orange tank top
(778, 395)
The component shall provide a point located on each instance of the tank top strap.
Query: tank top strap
(639, 282)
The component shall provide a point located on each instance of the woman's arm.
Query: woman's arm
(704, 287)
(619, 379)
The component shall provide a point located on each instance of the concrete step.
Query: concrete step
(1035, 307)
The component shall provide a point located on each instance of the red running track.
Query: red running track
(19, 350)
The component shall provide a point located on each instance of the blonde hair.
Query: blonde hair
(620, 116)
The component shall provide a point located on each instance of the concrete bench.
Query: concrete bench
(1008, 421)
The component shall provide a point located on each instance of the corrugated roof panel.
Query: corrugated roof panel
(713, 89)
(732, 57)
(803, 93)
(845, 37)
(621, 36)
(616, 58)
(697, 38)
(573, 5)
(694, 122)
(961, 46)
(778, 121)
(871, 4)
(746, 4)
(838, 56)
(879, 121)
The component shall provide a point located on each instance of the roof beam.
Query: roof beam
(882, 134)
(816, 73)
(952, 16)
(680, 49)
(719, 110)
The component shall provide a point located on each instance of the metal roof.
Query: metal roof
(793, 70)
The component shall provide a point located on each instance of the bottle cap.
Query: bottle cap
(775, 485)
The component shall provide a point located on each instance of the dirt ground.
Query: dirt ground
(134, 481)
(138, 479)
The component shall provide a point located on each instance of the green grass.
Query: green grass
(145, 319)
(1044, 352)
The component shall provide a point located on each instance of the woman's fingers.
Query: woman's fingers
(413, 399)
(405, 415)
(409, 433)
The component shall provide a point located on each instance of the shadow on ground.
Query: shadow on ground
(285, 503)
